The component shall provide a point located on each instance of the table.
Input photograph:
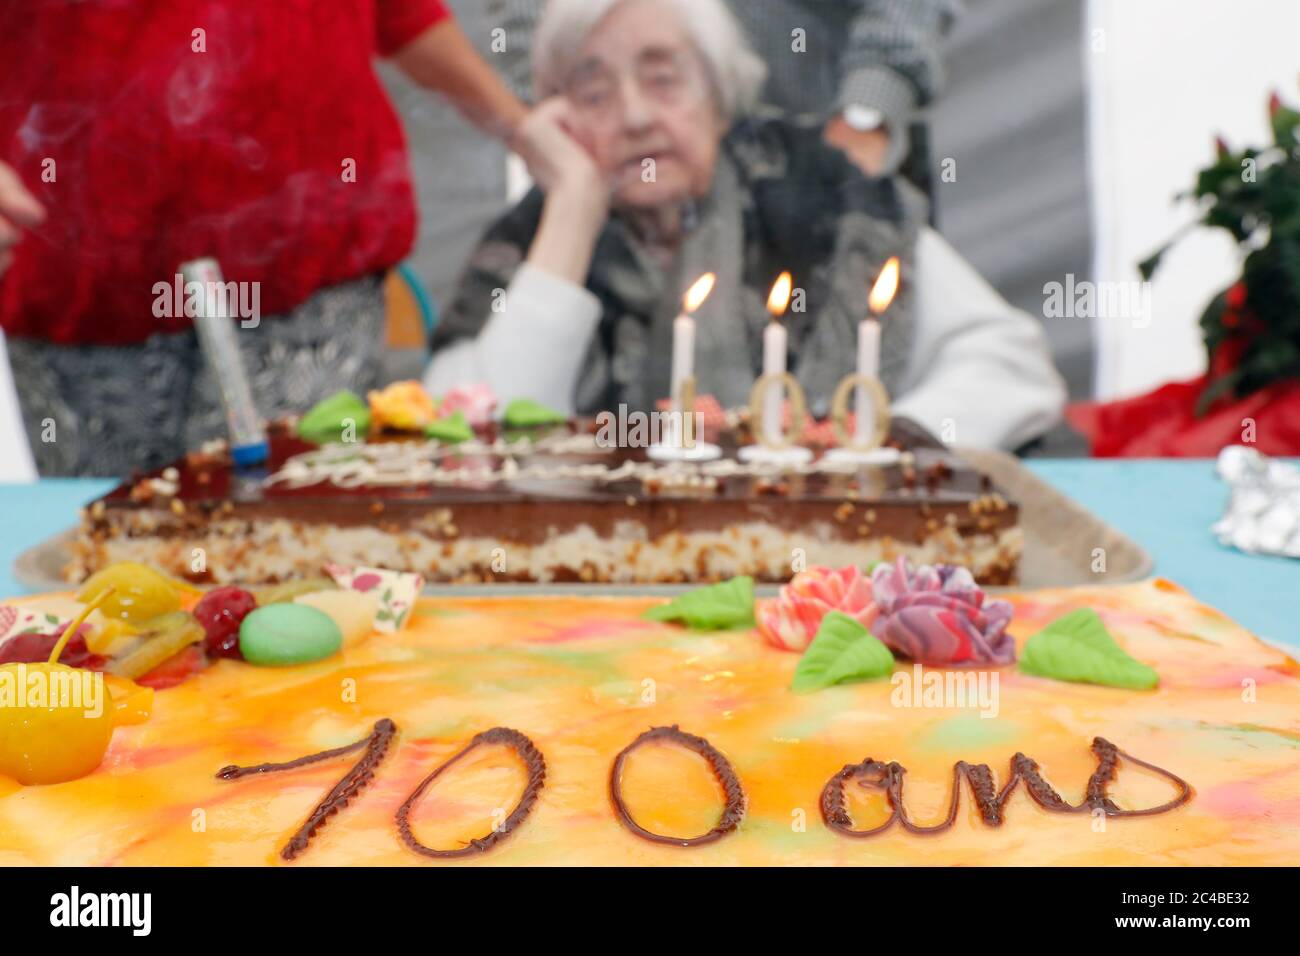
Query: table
(1166, 506)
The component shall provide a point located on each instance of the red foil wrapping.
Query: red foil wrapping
(1164, 423)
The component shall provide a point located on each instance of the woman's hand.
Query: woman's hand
(577, 195)
(18, 208)
(866, 149)
(558, 161)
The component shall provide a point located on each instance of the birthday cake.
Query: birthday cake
(902, 718)
(540, 499)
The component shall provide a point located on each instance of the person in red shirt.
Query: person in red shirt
(155, 132)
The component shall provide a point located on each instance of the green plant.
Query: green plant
(1252, 328)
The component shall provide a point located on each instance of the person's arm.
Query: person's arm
(980, 373)
(18, 209)
(443, 60)
(535, 345)
(891, 67)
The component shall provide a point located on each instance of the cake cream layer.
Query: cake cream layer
(583, 677)
(549, 506)
(621, 552)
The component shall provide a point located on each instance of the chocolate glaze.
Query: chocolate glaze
(733, 810)
(222, 482)
(888, 778)
(527, 512)
(353, 782)
(533, 761)
(1107, 760)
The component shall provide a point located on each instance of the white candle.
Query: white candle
(684, 342)
(775, 347)
(868, 365)
(683, 356)
(882, 294)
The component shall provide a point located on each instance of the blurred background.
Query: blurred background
(1070, 127)
(1054, 149)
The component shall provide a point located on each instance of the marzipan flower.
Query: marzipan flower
(791, 620)
(939, 615)
(476, 401)
(403, 407)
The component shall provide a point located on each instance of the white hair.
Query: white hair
(735, 70)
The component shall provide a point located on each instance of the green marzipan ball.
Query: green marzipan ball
(279, 635)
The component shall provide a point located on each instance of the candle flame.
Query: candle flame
(697, 293)
(886, 287)
(780, 297)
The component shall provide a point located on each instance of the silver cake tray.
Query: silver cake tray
(1063, 543)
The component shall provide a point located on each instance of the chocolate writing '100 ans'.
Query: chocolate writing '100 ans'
(885, 778)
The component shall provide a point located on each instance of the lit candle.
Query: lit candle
(775, 349)
(684, 338)
(882, 294)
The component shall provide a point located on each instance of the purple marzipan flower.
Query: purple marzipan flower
(939, 615)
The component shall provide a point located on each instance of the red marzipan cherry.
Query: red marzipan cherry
(35, 648)
(221, 611)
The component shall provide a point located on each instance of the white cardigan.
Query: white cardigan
(980, 374)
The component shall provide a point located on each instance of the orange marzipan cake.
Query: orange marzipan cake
(576, 681)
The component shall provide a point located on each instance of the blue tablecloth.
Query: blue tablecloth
(1166, 506)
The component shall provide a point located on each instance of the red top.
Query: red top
(150, 144)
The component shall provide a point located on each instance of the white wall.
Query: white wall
(1171, 74)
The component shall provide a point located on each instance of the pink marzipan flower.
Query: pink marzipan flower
(790, 621)
(476, 401)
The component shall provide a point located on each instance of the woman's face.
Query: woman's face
(644, 107)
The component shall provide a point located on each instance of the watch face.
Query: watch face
(863, 118)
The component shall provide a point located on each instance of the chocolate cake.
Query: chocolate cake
(549, 505)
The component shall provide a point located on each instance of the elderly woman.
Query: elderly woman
(653, 169)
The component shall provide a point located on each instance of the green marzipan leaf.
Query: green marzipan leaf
(326, 419)
(713, 608)
(1078, 648)
(452, 430)
(526, 413)
(842, 651)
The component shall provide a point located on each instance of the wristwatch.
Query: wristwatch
(863, 118)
